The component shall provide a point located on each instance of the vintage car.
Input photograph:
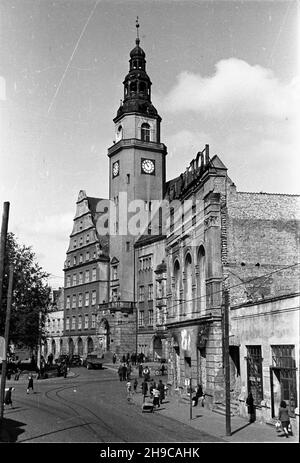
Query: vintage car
(93, 361)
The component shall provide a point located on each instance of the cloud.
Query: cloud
(247, 116)
(58, 226)
(2, 89)
(236, 88)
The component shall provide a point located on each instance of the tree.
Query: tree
(31, 294)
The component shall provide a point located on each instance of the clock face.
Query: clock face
(148, 166)
(116, 168)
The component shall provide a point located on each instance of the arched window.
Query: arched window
(90, 345)
(119, 133)
(177, 303)
(188, 284)
(142, 87)
(133, 86)
(145, 132)
(201, 283)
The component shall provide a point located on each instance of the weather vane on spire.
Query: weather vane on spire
(137, 25)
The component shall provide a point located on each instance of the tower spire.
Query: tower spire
(137, 25)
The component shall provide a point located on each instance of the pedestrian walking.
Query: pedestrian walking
(161, 388)
(8, 396)
(151, 387)
(65, 369)
(198, 396)
(17, 375)
(30, 383)
(128, 373)
(163, 368)
(135, 385)
(120, 372)
(144, 389)
(155, 393)
(284, 418)
(114, 358)
(124, 372)
(129, 392)
(251, 408)
(140, 370)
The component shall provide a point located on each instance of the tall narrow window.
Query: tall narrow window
(80, 322)
(254, 373)
(94, 274)
(68, 302)
(150, 317)
(141, 318)
(94, 297)
(114, 269)
(141, 293)
(67, 323)
(74, 301)
(171, 219)
(80, 300)
(87, 276)
(87, 299)
(188, 284)
(145, 132)
(150, 292)
(201, 281)
(86, 321)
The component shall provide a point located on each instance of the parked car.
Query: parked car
(93, 361)
(62, 359)
(75, 361)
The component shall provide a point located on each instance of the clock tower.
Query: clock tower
(137, 170)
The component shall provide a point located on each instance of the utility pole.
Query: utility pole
(191, 400)
(226, 361)
(6, 337)
(3, 245)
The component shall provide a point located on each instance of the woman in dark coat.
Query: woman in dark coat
(284, 418)
(144, 389)
(251, 408)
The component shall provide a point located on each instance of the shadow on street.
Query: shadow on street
(10, 430)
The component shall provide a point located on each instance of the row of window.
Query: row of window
(81, 242)
(78, 279)
(145, 128)
(283, 358)
(142, 293)
(80, 300)
(145, 263)
(79, 322)
(54, 324)
(81, 259)
(141, 317)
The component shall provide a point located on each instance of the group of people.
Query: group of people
(9, 390)
(133, 358)
(124, 371)
(157, 392)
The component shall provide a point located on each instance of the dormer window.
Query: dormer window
(145, 132)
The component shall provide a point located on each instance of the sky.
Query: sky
(224, 73)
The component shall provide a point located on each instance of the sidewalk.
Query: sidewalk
(210, 422)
